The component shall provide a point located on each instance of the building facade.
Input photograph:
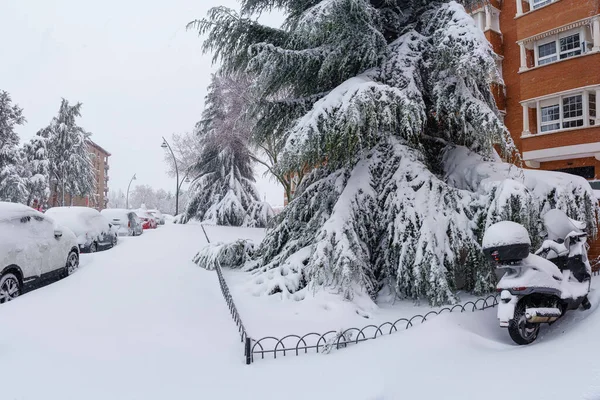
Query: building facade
(549, 56)
(99, 199)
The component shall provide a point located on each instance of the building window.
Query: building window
(572, 111)
(547, 53)
(570, 46)
(550, 118)
(562, 46)
(584, 172)
(577, 109)
(592, 100)
(540, 3)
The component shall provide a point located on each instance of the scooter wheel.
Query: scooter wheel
(586, 303)
(521, 331)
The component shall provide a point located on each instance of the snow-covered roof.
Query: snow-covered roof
(9, 211)
(80, 220)
(143, 213)
(116, 213)
(72, 211)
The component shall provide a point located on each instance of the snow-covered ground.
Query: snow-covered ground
(142, 321)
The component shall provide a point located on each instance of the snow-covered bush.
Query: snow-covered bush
(391, 101)
(230, 255)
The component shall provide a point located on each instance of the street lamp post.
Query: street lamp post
(186, 179)
(165, 145)
(133, 178)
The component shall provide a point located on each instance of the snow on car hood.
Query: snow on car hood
(86, 223)
(10, 211)
(116, 215)
(143, 214)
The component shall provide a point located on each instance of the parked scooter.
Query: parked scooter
(542, 287)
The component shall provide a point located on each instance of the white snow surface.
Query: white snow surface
(467, 170)
(558, 225)
(505, 233)
(141, 321)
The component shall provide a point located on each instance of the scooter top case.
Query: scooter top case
(506, 242)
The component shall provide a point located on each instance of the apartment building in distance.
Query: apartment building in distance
(99, 199)
(549, 55)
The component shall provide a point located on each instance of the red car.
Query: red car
(148, 221)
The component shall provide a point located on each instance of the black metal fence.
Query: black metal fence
(235, 315)
(295, 344)
(233, 309)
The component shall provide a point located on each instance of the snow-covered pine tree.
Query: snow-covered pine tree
(71, 165)
(382, 98)
(11, 183)
(36, 170)
(223, 189)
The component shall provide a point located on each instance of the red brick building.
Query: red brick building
(549, 55)
(99, 199)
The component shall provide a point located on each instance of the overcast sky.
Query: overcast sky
(139, 74)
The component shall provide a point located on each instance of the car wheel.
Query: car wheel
(72, 263)
(10, 287)
(93, 247)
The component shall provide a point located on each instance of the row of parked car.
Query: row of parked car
(36, 248)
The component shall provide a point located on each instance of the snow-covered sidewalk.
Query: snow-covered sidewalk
(135, 322)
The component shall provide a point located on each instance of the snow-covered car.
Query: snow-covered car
(33, 250)
(93, 231)
(126, 222)
(148, 220)
(160, 218)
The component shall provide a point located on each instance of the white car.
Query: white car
(126, 222)
(33, 250)
(93, 231)
(160, 218)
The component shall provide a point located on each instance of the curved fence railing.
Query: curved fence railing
(296, 344)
